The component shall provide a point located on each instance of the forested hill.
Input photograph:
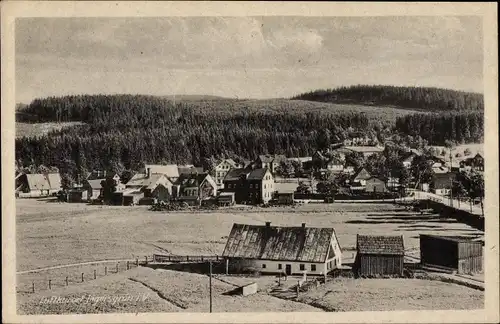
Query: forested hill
(429, 99)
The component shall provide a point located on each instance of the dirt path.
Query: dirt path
(74, 265)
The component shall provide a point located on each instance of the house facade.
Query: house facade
(147, 183)
(250, 186)
(375, 185)
(475, 163)
(278, 249)
(194, 186)
(442, 183)
(222, 169)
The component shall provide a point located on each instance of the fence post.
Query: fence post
(95, 274)
(50, 284)
(105, 271)
(33, 287)
(169, 258)
(117, 267)
(127, 265)
(202, 258)
(137, 261)
(66, 280)
(187, 258)
(146, 258)
(82, 276)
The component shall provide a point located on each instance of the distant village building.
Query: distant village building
(196, 186)
(365, 150)
(147, 183)
(279, 249)
(38, 185)
(379, 256)
(442, 183)
(221, 170)
(250, 186)
(358, 181)
(375, 185)
(226, 199)
(171, 171)
(456, 253)
(284, 198)
(475, 163)
(93, 188)
(271, 162)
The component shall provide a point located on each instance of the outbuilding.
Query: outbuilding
(279, 249)
(460, 254)
(379, 255)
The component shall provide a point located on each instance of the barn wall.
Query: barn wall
(379, 265)
(438, 251)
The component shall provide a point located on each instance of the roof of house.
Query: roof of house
(268, 158)
(365, 149)
(236, 174)
(193, 179)
(375, 179)
(442, 180)
(362, 174)
(100, 175)
(231, 162)
(170, 170)
(95, 183)
(307, 244)
(142, 180)
(257, 174)
(458, 239)
(189, 170)
(48, 181)
(380, 244)
(301, 159)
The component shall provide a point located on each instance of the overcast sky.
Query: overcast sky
(245, 57)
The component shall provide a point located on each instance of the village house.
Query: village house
(375, 185)
(457, 253)
(37, 185)
(171, 171)
(196, 186)
(250, 186)
(221, 170)
(365, 150)
(360, 177)
(93, 184)
(147, 182)
(378, 255)
(270, 162)
(93, 188)
(282, 249)
(408, 159)
(475, 163)
(442, 183)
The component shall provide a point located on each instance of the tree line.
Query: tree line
(122, 132)
(424, 98)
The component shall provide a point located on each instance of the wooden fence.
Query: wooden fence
(158, 258)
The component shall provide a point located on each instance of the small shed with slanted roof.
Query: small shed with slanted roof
(379, 255)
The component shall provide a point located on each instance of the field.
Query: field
(51, 234)
(39, 129)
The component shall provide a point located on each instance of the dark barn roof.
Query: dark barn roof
(302, 244)
(382, 245)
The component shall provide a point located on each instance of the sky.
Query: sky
(243, 57)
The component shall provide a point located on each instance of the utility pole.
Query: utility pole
(210, 286)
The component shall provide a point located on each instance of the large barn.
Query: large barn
(456, 253)
(379, 256)
(279, 249)
(38, 185)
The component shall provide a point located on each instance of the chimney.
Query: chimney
(268, 224)
(303, 225)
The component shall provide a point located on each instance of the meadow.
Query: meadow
(52, 234)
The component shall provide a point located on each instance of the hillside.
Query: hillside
(421, 98)
(123, 131)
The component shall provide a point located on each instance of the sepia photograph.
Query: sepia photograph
(250, 163)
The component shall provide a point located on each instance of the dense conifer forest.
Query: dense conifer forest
(429, 99)
(123, 131)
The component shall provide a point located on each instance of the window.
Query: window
(251, 186)
(280, 266)
(256, 186)
(302, 267)
(263, 266)
(265, 186)
(313, 267)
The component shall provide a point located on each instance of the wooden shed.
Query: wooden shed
(457, 253)
(379, 256)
